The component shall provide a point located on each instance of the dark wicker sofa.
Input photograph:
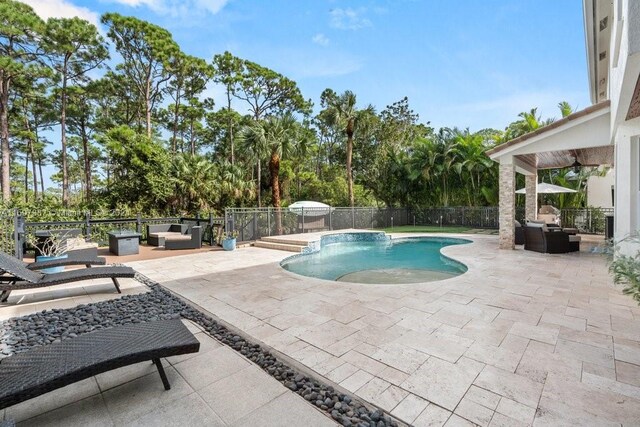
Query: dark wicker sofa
(42, 369)
(551, 241)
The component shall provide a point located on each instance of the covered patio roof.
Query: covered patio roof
(584, 136)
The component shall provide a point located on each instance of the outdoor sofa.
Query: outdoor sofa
(174, 236)
(157, 233)
(15, 274)
(49, 367)
(552, 240)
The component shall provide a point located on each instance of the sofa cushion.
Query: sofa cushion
(177, 236)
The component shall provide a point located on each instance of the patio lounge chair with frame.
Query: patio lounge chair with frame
(49, 367)
(18, 276)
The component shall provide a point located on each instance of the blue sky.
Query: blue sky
(464, 63)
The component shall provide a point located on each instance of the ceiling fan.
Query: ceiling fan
(576, 164)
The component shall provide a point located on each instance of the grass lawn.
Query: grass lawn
(426, 229)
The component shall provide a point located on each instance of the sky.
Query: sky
(464, 63)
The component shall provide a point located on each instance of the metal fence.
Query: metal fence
(16, 233)
(255, 223)
(588, 220)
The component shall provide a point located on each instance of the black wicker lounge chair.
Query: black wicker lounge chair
(71, 260)
(18, 276)
(43, 369)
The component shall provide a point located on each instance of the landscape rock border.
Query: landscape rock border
(19, 334)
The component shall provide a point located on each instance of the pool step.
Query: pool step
(284, 240)
(279, 246)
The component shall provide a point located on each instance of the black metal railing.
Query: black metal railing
(255, 223)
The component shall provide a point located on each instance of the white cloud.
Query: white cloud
(177, 8)
(320, 39)
(349, 19)
(62, 9)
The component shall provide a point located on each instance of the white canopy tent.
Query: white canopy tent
(310, 208)
(544, 188)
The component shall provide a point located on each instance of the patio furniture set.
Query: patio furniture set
(125, 242)
(550, 238)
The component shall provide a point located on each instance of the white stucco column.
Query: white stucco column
(531, 196)
(507, 203)
(627, 187)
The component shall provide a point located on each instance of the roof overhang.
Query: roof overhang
(598, 15)
(583, 136)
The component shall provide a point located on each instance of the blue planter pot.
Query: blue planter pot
(229, 244)
(40, 258)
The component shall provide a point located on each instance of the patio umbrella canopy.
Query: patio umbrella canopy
(544, 188)
(310, 208)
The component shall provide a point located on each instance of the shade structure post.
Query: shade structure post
(507, 206)
(531, 196)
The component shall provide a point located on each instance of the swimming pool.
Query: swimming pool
(375, 258)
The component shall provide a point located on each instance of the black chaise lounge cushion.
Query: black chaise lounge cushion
(43, 369)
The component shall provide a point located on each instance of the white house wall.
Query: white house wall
(599, 190)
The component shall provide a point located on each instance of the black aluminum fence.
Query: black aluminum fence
(16, 233)
(589, 220)
(255, 223)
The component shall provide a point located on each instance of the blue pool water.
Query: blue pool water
(407, 260)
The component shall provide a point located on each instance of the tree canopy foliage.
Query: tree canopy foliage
(140, 131)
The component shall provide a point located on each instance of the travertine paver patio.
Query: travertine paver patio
(214, 387)
(522, 338)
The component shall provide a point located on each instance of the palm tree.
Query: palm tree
(278, 136)
(565, 109)
(234, 187)
(342, 113)
(195, 183)
(252, 140)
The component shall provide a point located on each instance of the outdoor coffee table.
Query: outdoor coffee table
(124, 242)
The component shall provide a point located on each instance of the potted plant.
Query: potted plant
(52, 248)
(229, 240)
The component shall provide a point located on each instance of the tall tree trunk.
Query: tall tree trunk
(175, 121)
(230, 127)
(192, 140)
(259, 184)
(350, 130)
(41, 174)
(148, 108)
(31, 152)
(274, 169)
(26, 174)
(4, 139)
(87, 162)
(34, 172)
(63, 135)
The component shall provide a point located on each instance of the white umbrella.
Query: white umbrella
(544, 188)
(310, 208)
